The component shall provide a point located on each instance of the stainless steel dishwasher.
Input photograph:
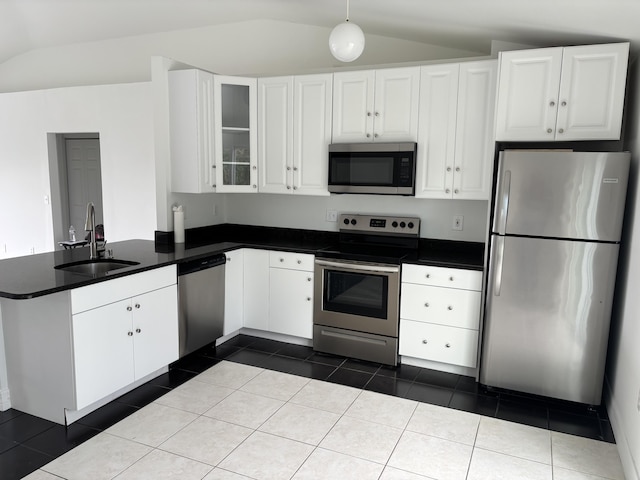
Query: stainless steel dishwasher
(200, 302)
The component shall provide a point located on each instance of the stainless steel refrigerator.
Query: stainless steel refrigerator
(554, 240)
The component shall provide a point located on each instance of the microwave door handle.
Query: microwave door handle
(358, 267)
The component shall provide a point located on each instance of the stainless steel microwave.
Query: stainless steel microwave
(374, 168)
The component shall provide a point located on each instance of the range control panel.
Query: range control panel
(379, 224)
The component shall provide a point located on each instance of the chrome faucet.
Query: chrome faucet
(90, 226)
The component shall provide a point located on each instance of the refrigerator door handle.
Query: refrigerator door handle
(498, 261)
(504, 202)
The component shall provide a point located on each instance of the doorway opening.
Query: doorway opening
(76, 180)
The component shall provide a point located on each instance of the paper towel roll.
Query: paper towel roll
(178, 227)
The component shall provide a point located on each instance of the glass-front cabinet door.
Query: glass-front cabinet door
(235, 104)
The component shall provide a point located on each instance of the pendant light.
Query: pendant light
(346, 41)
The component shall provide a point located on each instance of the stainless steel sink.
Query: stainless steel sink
(95, 267)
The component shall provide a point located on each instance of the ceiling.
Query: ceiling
(463, 24)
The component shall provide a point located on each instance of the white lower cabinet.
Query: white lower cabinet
(233, 287)
(256, 289)
(440, 314)
(291, 294)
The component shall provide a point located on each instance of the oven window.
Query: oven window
(362, 294)
(362, 170)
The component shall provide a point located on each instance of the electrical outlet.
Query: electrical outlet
(457, 222)
(332, 216)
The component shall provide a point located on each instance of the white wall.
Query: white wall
(299, 211)
(121, 114)
(623, 368)
(264, 47)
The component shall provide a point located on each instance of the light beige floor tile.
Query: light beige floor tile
(564, 474)
(219, 474)
(327, 465)
(194, 396)
(487, 465)
(362, 439)
(326, 396)
(206, 440)
(445, 423)
(102, 457)
(229, 374)
(161, 465)
(246, 409)
(391, 473)
(297, 422)
(152, 424)
(41, 475)
(586, 455)
(514, 439)
(432, 457)
(264, 456)
(280, 386)
(384, 409)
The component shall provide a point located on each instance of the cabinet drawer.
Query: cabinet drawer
(291, 260)
(442, 276)
(444, 306)
(457, 346)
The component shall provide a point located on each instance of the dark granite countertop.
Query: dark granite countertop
(34, 275)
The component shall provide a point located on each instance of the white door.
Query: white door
(528, 86)
(592, 91)
(291, 302)
(311, 133)
(395, 116)
(233, 291)
(84, 181)
(155, 330)
(353, 96)
(474, 150)
(275, 134)
(437, 135)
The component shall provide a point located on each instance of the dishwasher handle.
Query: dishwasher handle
(202, 263)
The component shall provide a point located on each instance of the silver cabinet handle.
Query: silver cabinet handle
(375, 135)
(549, 130)
(447, 191)
(448, 169)
(295, 169)
(138, 330)
(449, 307)
(299, 262)
(457, 169)
(129, 308)
(426, 305)
(448, 345)
(552, 103)
(377, 114)
(288, 187)
(308, 279)
(424, 341)
(254, 168)
(308, 299)
(137, 305)
(288, 168)
(368, 114)
(130, 334)
(368, 135)
(456, 191)
(428, 275)
(561, 130)
(255, 186)
(295, 188)
(564, 103)
(498, 259)
(451, 279)
(282, 260)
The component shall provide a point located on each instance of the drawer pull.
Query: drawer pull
(451, 279)
(129, 308)
(448, 345)
(137, 305)
(428, 275)
(426, 305)
(282, 259)
(138, 330)
(308, 279)
(424, 341)
(130, 334)
(449, 307)
(299, 262)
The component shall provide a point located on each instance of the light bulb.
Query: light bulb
(346, 41)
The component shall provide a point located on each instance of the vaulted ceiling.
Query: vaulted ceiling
(463, 24)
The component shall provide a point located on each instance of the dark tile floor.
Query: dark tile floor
(28, 442)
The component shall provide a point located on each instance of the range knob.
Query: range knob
(402, 224)
(410, 224)
(346, 221)
(353, 221)
(394, 224)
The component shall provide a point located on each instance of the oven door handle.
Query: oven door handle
(359, 267)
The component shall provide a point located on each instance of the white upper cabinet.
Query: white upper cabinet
(562, 93)
(294, 131)
(235, 109)
(455, 139)
(376, 105)
(191, 131)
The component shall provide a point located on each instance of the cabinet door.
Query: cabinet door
(396, 104)
(256, 289)
(155, 330)
(311, 133)
(474, 149)
(291, 302)
(438, 107)
(353, 96)
(528, 86)
(592, 91)
(102, 351)
(235, 109)
(191, 131)
(275, 138)
(233, 291)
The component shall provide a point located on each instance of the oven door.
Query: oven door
(357, 296)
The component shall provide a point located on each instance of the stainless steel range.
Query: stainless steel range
(357, 287)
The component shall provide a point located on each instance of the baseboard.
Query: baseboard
(628, 464)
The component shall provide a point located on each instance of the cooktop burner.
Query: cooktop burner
(375, 238)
